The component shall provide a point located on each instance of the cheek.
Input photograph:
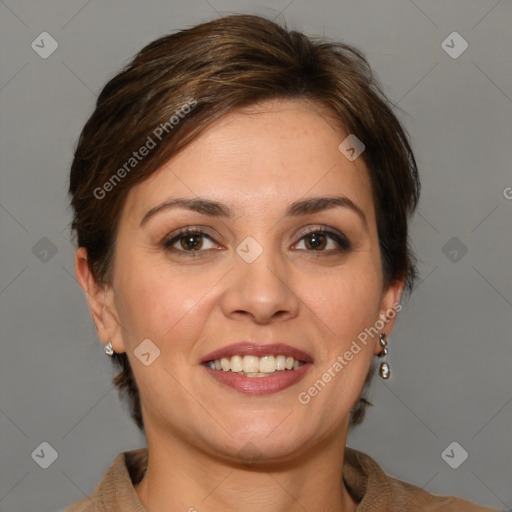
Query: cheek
(347, 301)
(353, 302)
(158, 304)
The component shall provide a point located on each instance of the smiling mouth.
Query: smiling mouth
(253, 366)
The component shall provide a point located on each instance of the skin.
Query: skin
(257, 161)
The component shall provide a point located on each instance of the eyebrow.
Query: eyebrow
(295, 209)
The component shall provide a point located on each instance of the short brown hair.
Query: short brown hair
(217, 67)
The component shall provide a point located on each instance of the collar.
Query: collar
(363, 477)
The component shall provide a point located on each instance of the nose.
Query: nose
(261, 290)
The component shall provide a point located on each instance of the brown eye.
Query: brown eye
(189, 241)
(325, 241)
(192, 242)
(316, 241)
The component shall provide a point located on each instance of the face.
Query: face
(280, 269)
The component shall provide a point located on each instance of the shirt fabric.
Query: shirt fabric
(366, 481)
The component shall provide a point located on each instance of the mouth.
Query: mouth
(257, 369)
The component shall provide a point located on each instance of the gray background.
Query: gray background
(450, 353)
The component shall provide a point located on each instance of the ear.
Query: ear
(101, 303)
(390, 307)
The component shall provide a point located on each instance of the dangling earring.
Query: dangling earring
(109, 350)
(384, 370)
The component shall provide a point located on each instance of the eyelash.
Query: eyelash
(343, 243)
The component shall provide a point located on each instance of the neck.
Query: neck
(180, 477)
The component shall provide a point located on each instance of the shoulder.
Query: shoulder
(115, 491)
(375, 490)
(86, 505)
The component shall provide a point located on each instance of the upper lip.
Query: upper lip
(247, 348)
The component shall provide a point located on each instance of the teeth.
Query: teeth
(237, 364)
(267, 364)
(253, 366)
(225, 364)
(280, 363)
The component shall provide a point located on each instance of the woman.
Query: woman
(241, 198)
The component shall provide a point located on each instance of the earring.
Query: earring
(384, 370)
(109, 350)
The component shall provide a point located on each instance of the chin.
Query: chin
(262, 450)
(263, 442)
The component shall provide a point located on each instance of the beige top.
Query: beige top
(369, 485)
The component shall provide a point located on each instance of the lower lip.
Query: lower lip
(260, 385)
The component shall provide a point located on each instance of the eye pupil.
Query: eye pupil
(315, 241)
(193, 241)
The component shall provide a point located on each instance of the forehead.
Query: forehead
(269, 154)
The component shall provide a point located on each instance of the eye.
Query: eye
(189, 241)
(317, 240)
